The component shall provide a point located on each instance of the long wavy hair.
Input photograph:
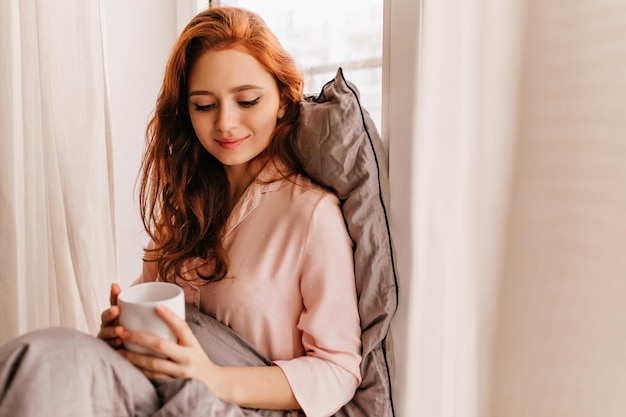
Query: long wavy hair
(184, 192)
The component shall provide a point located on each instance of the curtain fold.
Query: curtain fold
(56, 202)
(466, 131)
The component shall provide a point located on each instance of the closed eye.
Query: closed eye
(203, 108)
(249, 103)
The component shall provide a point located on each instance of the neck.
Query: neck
(239, 178)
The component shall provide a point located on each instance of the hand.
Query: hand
(185, 359)
(250, 387)
(110, 330)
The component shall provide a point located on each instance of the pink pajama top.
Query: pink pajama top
(292, 292)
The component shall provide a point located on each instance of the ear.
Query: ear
(281, 111)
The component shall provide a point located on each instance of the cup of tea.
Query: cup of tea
(138, 310)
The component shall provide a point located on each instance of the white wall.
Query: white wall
(138, 38)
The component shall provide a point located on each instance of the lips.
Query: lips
(230, 143)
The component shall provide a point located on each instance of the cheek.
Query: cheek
(264, 121)
(267, 125)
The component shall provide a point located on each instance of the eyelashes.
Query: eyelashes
(203, 108)
(249, 103)
(243, 103)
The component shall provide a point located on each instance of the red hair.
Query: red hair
(184, 193)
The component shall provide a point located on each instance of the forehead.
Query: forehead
(224, 70)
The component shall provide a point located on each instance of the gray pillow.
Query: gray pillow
(339, 146)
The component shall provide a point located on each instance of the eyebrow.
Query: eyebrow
(237, 89)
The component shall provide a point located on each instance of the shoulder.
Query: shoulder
(308, 193)
(311, 189)
(297, 200)
(275, 179)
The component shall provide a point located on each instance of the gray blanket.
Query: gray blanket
(62, 372)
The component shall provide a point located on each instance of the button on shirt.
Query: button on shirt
(290, 289)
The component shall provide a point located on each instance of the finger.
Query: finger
(178, 326)
(111, 335)
(150, 341)
(109, 315)
(158, 345)
(115, 291)
(153, 365)
(155, 375)
(110, 332)
(152, 375)
(115, 343)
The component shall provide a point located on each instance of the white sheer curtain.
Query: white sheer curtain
(506, 123)
(451, 145)
(56, 218)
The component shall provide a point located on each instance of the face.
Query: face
(234, 104)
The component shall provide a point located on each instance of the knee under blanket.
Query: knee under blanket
(63, 372)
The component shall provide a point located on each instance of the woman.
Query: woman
(234, 221)
(253, 242)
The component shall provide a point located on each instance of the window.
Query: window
(323, 35)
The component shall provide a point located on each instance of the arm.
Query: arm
(328, 376)
(255, 387)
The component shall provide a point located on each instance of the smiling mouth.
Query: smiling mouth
(230, 143)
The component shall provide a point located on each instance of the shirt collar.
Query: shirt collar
(269, 179)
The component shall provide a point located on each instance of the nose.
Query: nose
(227, 118)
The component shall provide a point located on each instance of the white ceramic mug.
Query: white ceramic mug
(137, 309)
